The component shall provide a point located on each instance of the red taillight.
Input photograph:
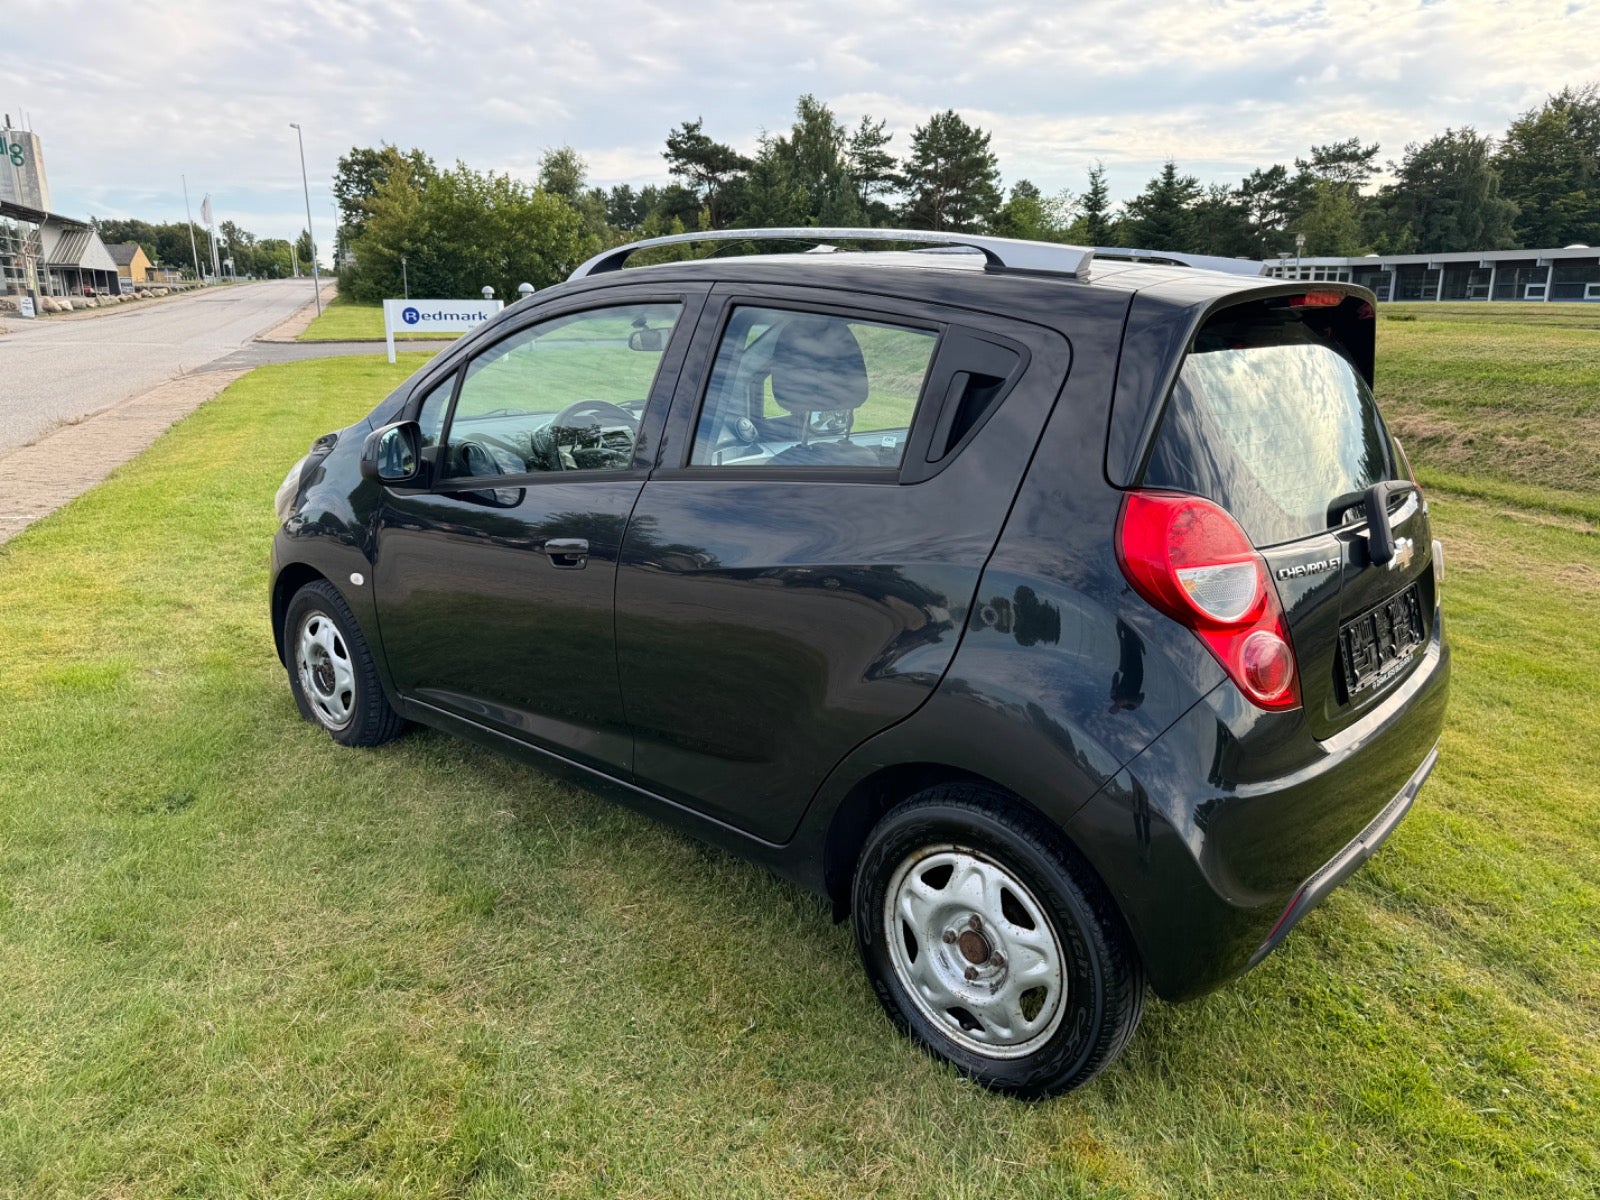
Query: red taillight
(1190, 559)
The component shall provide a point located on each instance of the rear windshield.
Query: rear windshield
(1270, 419)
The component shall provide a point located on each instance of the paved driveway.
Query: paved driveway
(56, 371)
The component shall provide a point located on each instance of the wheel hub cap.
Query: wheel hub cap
(972, 947)
(327, 676)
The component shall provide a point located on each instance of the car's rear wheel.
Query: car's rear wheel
(989, 941)
(331, 672)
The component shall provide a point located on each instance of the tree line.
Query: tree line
(167, 245)
(409, 224)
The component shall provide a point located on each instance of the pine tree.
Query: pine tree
(952, 178)
(1162, 216)
(1094, 220)
(873, 170)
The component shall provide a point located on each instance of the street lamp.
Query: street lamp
(316, 279)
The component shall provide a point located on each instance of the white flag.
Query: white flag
(205, 210)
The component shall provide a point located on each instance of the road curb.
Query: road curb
(290, 329)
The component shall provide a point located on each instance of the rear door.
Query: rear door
(1272, 419)
(800, 566)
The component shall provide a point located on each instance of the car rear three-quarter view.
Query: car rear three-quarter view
(1070, 620)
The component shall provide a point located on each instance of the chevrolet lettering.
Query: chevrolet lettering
(1310, 568)
(1068, 618)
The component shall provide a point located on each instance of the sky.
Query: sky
(128, 97)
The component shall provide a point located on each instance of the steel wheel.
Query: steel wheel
(974, 950)
(327, 676)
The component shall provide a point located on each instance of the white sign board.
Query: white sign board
(25, 308)
(434, 316)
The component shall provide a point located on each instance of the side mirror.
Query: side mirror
(648, 339)
(393, 454)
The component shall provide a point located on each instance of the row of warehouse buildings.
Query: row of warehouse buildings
(1570, 273)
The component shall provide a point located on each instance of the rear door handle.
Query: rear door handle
(570, 553)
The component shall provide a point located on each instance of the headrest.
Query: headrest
(817, 366)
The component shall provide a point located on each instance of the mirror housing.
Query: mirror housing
(648, 339)
(393, 455)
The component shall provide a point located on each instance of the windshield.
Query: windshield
(1270, 419)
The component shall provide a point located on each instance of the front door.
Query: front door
(494, 587)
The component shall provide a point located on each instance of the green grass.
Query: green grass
(238, 960)
(1507, 395)
(345, 320)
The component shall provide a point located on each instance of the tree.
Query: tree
(772, 194)
(1446, 194)
(363, 171)
(818, 147)
(952, 179)
(1162, 216)
(873, 170)
(240, 247)
(1549, 165)
(1031, 214)
(273, 260)
(1093, 226)
(624, 208)
(1348, 164)
(1271, 202)
(463, 229)
(562, 172)
(709, 169)
(802, 177)
(1332, 221)
(1222, 224)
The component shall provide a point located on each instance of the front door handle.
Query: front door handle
(570, 553)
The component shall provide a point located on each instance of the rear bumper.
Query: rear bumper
(1231, 826)
(1344, 864)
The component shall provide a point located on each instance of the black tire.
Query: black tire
(987, 836)
(368, 717)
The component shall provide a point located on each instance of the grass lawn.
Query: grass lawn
(1500, 400)
(347, 321)
(238, 960)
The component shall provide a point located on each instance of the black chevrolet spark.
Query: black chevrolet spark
(1069, 618)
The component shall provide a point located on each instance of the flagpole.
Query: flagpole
(186, 212)
(208, 215)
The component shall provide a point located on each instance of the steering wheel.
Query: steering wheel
(602, 409)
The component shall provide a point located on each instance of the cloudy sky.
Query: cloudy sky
(127, 96)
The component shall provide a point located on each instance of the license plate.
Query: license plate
(1376, 646)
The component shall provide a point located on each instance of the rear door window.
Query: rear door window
(1270, 419)
(804, 389)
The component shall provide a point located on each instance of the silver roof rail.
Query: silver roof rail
(1201, 262)
(1000, 252)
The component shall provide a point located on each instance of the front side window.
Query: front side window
(564, 395)
(797, 389)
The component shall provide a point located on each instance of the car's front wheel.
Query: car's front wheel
(331, 672)
(992, 944)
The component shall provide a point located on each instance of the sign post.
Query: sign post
(434, 316)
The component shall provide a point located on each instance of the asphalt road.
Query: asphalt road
(56, 371)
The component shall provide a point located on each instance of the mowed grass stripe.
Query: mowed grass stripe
(240, 960)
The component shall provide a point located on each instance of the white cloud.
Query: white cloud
(128, 96)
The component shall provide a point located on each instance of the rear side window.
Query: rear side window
(803, 389)
(1270, 419)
